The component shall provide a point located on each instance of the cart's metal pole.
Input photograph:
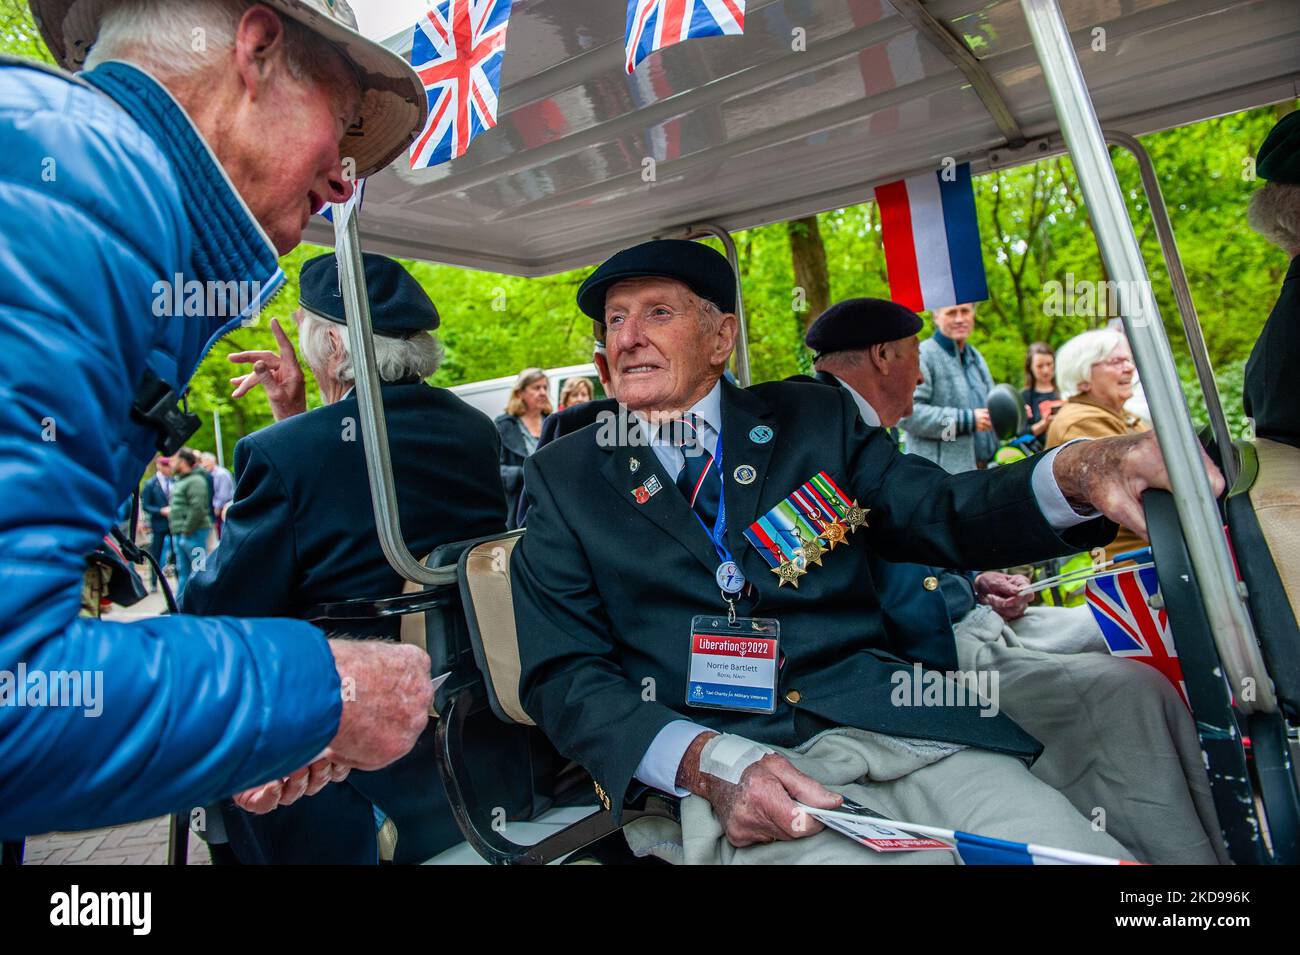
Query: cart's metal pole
(1183, 295)
(370, 404)
(742, 335)
(1224, 606)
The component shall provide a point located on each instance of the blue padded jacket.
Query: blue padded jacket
(108, 199)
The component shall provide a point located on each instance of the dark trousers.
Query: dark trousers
(160, 549)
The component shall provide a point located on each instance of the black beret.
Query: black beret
(399, 306)
(704, 271)
(1279, 157)
(860, 323)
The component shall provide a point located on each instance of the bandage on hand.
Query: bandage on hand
(754, 792)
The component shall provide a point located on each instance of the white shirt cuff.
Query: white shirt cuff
(1060, 515)
(658, 767)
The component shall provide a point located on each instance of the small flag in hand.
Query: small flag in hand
(1121, 604)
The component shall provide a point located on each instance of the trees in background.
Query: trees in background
(1033, 228)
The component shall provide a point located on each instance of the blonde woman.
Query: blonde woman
(576, 391)
(520, 427)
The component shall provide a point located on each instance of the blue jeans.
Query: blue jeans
(189, 549)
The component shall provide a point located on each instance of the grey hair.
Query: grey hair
(177, 38)
(396, 358)
(848, 358)
(1274, 212)
(1074, 359)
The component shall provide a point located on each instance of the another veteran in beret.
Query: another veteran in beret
(301, 532)
(695, 606)
(1270, 395)
(1144, 762)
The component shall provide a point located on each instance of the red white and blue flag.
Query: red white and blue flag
(1121, 604)
(985, 850)
(655, 24)
(863, 825)
(457, 51)
(932, 239)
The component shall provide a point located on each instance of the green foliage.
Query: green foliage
(18, 34)
(1033, 228)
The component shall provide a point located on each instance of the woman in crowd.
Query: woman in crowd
(1040, 395)
(1096, 373)
(576, 391)
(520, 427)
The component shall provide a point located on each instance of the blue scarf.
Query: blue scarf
(226, 243)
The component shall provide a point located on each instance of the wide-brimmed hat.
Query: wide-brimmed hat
(394, 104)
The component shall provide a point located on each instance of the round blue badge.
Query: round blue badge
(730, 579)
(761, 434)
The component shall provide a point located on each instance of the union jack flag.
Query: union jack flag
(457, 51)
(1121, 604)
(655, 24)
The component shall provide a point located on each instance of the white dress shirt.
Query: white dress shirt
(658, 767)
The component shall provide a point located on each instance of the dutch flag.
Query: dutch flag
(932, 239)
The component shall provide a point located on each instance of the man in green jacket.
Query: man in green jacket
(190, 517)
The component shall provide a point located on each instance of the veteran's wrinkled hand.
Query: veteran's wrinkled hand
(1111, 474)
(761, 807)
(279, 374)
(387, 690)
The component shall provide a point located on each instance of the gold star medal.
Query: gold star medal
(854, 516)
(812, 549)
(835, 533)
(789, 572)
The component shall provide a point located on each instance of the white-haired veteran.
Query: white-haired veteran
(696, 611)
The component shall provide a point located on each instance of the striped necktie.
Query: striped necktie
(698, 480)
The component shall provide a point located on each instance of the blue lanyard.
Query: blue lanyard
(718, 535)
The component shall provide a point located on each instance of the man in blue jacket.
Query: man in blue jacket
(144, 203)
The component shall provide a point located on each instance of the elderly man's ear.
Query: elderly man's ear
(881, 356)
(259, 46)
(602, 367)
(725, 343)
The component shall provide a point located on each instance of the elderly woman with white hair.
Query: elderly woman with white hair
(1095, 372)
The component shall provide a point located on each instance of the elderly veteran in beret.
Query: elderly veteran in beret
(301, 532)
(1270, 396)
(1116, 734)
(167, 166)
(707, 520)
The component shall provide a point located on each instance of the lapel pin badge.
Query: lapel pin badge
(761, 434)
(634, 465)
(744, 474)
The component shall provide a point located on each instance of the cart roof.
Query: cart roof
(745, 130)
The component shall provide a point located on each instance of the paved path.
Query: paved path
(140, 843)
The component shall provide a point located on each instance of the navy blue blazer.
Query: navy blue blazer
(152, 500)
(300, 532)
(606, 582)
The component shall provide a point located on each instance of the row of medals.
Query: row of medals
(830, 535)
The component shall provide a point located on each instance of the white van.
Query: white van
(490, 396)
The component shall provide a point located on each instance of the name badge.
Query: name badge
(733, 666)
